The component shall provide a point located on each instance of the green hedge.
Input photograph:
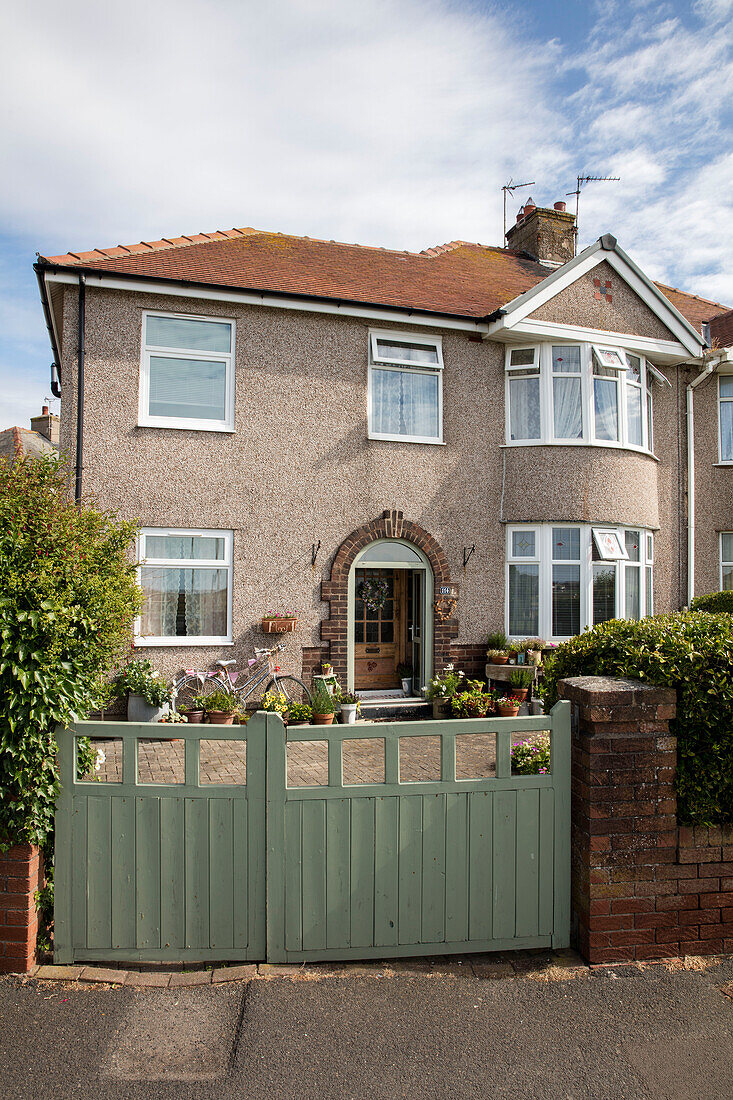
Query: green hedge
(715, 602)
(693, 653)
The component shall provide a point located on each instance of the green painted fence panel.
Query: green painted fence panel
(172, 874)
(123, 872)
(361, 879)
(457, 867)
(481, 866)
(410, 856)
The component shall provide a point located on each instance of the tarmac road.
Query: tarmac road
(611, 1033)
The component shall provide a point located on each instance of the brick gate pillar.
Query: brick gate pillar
(624, 826)
(21, 874)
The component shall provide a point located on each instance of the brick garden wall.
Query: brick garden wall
(21, 874)
(642, 887)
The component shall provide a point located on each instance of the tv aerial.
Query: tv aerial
(510, 188)
(579, 183)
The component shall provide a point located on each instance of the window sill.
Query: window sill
(192, 426)
(582, 443)
(141, 643)
(724, 465)
(405, 439)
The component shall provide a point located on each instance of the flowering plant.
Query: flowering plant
(172, 717)
(532, 757)
(474, 702)
(373, 593)
(140, 678)
(280, 615)
(225, 702)
(276, 702)
(445, 685)
(300, 712)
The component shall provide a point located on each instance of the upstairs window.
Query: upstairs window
(187, 373)
(405, 388)
(582, 394)
(725, 402)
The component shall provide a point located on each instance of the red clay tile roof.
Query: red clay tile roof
(721, 330)
(460, 278)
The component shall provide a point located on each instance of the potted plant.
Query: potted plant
(299, 714)
(275, 702)
(196, 710)
(521, 682)
(148, 694)
(350, 707)
(322, 705)
(404, 671)
(496, 651)
(508, 706)
(441, 690)
(220, 707)
(474, 702)
(173, 717)
(534, 651)
(279, 622)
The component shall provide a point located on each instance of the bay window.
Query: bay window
(405, 393)
(563, 579)
(186, 578)
(582, 394)
(187, 372)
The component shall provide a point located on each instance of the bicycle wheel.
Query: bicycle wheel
(292, 688)
(190, 686)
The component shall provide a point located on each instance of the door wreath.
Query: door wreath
(373, 593)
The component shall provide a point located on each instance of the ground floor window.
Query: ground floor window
(726, 561)
(562, 579)
(186, 578)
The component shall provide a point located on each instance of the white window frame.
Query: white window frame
(377, 362)
(187, 563)
(544, 553)
(721, 560)
(544, 360)
(722, 401)
(148, 350)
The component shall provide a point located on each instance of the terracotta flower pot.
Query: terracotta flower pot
(520, 693)
(500, 659)
(219, 718)
(323, 719)
(195, 716)
(505, 711)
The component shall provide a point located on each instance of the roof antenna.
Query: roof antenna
(510, 188)
(580, 180)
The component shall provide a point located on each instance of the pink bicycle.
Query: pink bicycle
(263, 675)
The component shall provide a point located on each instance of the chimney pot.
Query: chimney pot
(560, 206)
(44, 410)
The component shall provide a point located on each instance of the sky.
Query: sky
(382, 122)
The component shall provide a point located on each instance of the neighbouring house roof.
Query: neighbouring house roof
(459, 278)
(721, 329)
(19, 442)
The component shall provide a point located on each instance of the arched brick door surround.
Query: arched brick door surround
(391, 525)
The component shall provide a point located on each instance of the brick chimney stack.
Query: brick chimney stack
(47, 424)
(547, 235)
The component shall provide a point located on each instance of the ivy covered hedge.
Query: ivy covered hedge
(693, 653)
(68, 595)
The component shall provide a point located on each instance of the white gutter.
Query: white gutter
(692, 386)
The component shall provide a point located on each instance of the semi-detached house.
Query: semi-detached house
(498, 435)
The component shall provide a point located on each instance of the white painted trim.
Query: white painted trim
(721, 401)
(721, 563)
(405, 338)
(668, 314)
(628, 341)
(434, 369)
(193, 563)
(145, 420)
(52, 314)
(273, 301)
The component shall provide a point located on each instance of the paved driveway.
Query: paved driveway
(162, 761)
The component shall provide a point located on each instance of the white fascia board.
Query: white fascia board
(252, 298)
(52, 314)
(667, 351)
(582, 264)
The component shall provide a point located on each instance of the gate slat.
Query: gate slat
(99, 879)
(172, 874)
(197, 873)
(293, 876)
(433, 868)
(456, 867)
(338, 907)
(505, 888)
(123, 873)
(546, 861)
(79, 872)
(481, 849)
(147, 871)
(362, 872)
(386, 858)
(242, 871)
(314, 875)
(410, 869)
(221, 873)
(527, 860)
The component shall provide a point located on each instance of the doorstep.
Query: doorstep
(376, 706)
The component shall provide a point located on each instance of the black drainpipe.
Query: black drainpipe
(80, 391)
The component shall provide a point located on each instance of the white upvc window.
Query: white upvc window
(726, 561)
(564, 578)
(580, 394)
(187, 372)
(186, 578)
(405, 389)
(725, 416)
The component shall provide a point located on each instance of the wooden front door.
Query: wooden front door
(379, 633)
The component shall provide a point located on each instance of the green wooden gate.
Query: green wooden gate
(398, 868)
(164, 870)
(328, 870)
